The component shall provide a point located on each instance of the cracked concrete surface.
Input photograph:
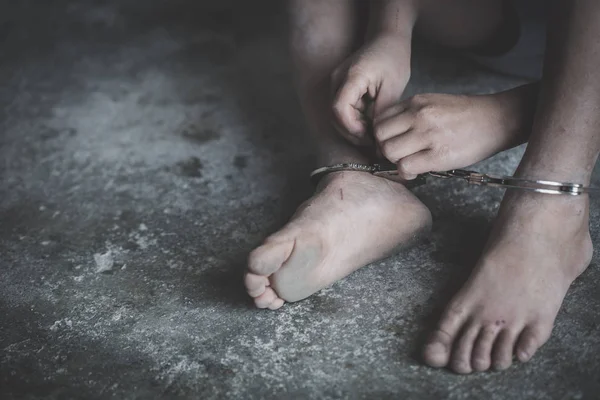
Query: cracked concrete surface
(145, 149)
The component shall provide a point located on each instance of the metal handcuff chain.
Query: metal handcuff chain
(471, 177)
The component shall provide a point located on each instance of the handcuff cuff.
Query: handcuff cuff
(471, 177)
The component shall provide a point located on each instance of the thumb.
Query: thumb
(418, 163)
(349, 106)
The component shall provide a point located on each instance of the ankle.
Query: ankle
(545, 167)
(565, 211)
(339, 180)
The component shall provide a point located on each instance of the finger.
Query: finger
(393, 126)
(403, 145)
(418, 163)
(389, 112)
(348, 105)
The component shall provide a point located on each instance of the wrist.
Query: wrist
(400, 36)
(399, 39)
(392, 45)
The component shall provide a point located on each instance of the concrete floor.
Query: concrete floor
(145, 148)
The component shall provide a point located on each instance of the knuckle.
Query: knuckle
(428, 135)
(378, 132)
(336, 109)
(355, 71)
(427, 112)
(419, 100)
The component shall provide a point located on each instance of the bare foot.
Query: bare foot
(353, 219)
(539, 245)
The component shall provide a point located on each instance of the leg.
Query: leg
(354, 218)
(540, 243)
(461, 24)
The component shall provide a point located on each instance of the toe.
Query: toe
(268, 299)
(439, 346)
(277, 303)
(482, 351)
(269, 257)
(531, 339)
(437, 351)
(461, 355)
(503, 351)
(255, 284)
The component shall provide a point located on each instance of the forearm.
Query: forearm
(565, 141)
(393, 17)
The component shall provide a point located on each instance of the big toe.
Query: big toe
(269, 257)
(437, 351)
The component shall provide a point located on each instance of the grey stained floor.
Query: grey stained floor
(145, 148)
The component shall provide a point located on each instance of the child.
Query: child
(540, 243)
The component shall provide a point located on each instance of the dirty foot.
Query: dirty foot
(353, 219)
(539, 245)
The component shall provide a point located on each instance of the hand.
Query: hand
(368, 82)
(439, 132)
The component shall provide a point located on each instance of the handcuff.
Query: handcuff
(471, 177)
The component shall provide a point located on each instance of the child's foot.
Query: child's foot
(539, 245)
(438, 132)
(353, 219)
